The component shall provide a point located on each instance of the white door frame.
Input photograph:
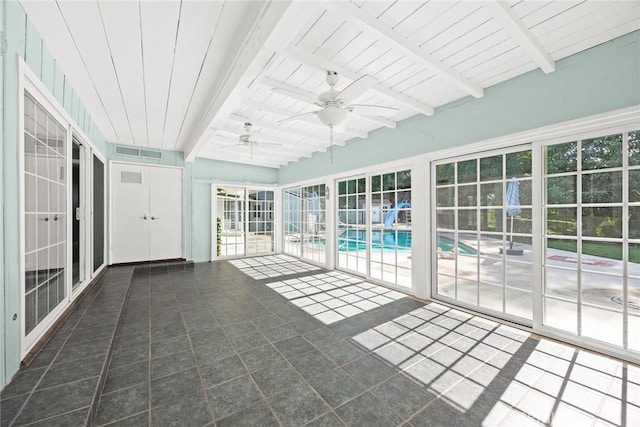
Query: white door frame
(110, 200)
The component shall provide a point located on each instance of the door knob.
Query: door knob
(145, 216)
(154, 217)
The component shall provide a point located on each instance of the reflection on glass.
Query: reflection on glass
(467, 171)
(561, 190)
(602, 222)
(602, 187)
(467, 195)
(602, 152)
(491, 168)
(561, 158)
(592, 320)
(445, 174)
(634, 148)
(518, 164)
(561, 282)
(562, 221)
(561, 315)
(491, 194)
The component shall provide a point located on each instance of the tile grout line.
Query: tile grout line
(95, 401)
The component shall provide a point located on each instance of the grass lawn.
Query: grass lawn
(605, 250)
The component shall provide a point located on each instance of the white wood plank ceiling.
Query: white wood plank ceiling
(187, 75)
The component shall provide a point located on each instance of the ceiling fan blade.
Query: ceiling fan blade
(356, 88)
(296, 95)
(372, 110)
(273, 144)
(297, 117)
(224, 147)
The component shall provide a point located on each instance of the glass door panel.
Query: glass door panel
(245, 221)
(314, 223)
(45, 213)
(98, 213)
(260, 222)
(483, 232)
(77, 208)
(231, 220)
(591, 265)
(292, 221)
(351, 225)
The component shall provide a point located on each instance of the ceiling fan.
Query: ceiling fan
(245, 140)
(336, 105)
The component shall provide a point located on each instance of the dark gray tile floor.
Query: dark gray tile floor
(273, 341)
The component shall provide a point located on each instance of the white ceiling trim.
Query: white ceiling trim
(359, 17)
(503, 13)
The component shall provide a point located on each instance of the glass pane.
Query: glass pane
(602, 290)
(562, 221)
(491, 194)
(561, 315)
(467, 219)
(518, 164)
(491, 296)
(525, 192)
(351, 186)
(362, 185)
(634, 332)
(519, 303)
(521, 223)
(561, 190)
(446, 286)
(561, 252)
(491, 220)
(560, 282)
(634, 185)
(602, 152)
(602, 222)
(468, 291)
(602, 325)
(562, 158)
(445, 174)
(603, 187)
(520, 275)
(634, 148)
(404, 180)
(467, 195)
(445, 219)
(491, 168)
(634, 259)
(467, 171)
(599, 255)
(491, 270)
(342, 187)
(389, 181)
(376, 181)
(445, 197)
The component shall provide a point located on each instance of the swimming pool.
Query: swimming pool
(355, 240)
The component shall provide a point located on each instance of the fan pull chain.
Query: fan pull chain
(331, 146)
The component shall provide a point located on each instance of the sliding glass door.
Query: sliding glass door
(591, 284)
(305, 222)
(45, 216)
(482, 242)
(374, 233)
(244, 221)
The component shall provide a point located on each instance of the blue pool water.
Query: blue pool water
(355, 240)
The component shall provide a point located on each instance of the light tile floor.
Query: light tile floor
(258, 342)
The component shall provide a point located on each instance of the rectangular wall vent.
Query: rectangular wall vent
(131, 177)
(130, 151)
(127, 151)
(151, 154)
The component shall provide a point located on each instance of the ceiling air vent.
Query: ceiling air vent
(130, 151)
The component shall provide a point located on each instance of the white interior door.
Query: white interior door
(130, 213)
(165, 210)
